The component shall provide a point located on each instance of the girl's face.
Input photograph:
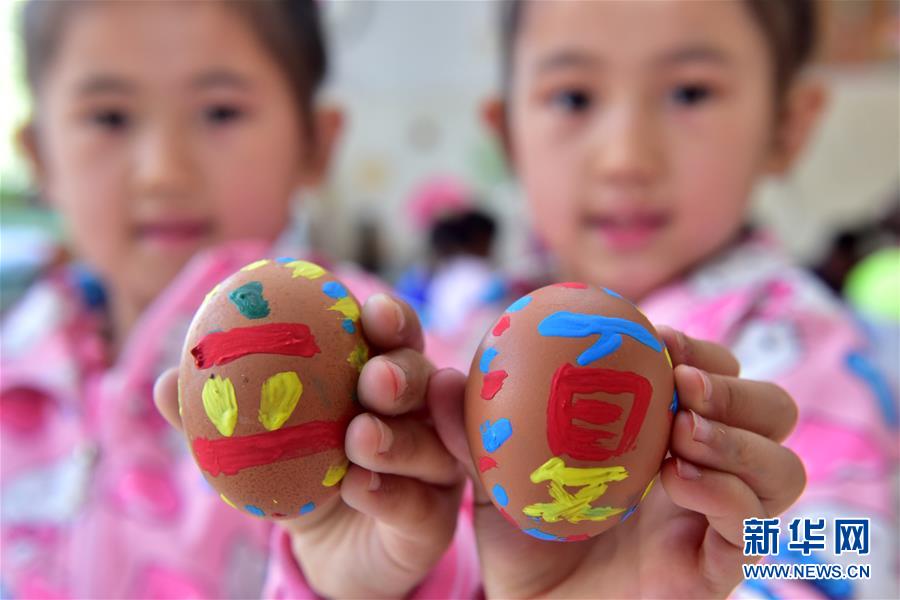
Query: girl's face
(164, 128)
(638, 130)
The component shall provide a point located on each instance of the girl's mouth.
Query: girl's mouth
(173, 234)
(626, 232)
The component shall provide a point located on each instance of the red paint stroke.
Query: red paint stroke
(576, 538)
(486, 463)
(501, 326)
(575, 285)
(565, 436)
(493, 383)
(222, 347)
(279, 515)
(509, 518)
(230, 456)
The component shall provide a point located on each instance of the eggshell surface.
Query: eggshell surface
(569, 407)
(267, 386)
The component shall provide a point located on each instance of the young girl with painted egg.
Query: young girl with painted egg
(638, 131)
(170, 137)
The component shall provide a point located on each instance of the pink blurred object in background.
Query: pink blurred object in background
(436, 197)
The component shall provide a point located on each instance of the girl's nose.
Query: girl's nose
(161, 167)
(626, 147)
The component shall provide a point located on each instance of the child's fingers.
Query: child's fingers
(395, 383)
(446, 397)
(389, 323)
(773, 472)
(401, 446)
(723, 498)
(708, 356)
(757, 406)
(410, 507)
(165, 396)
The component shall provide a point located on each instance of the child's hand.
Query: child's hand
(685, 540)
(396, 514)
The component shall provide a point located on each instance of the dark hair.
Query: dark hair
(789, 26)
(289, 29)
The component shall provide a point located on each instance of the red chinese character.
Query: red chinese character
(567, 416)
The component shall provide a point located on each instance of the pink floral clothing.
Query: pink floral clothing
(784, 326)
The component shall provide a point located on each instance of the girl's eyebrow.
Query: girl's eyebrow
(220, 77)
(566, 58)
(697, 53)
(104, 83)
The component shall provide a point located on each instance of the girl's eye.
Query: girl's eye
(572, 101)
(112, 120)
(221, 114)
(690, 95)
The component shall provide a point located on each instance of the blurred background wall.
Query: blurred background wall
(411, 76)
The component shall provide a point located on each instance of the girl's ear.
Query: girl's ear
(495, 117)
(801, 112)
(328, 124)
(28, 144)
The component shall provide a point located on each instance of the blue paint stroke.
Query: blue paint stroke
(611, 330)
(519, 304)
(543, 535)
(500, 495)
(674, 406)
(348, 326)
(254, 510)
(250, 301)
(629, 512)
(613, 294)
(335, 290)
(284, 259)
(307, 508)
(862, 367)
(494, 435)
(484, 365)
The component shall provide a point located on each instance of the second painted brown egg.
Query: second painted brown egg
(568, 411)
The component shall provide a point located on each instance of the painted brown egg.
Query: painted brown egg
(569, 408)
(267, 386)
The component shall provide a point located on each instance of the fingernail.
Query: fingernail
(385, 436)
(374, 481)
(679, 342)
(398, 378)
(701, 430)
(707, 385)
(686, 470)
(386, 300)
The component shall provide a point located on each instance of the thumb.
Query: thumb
(165, 396)
(446, 397)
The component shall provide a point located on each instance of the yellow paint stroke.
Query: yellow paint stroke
(280, 394)
(335, 474)
(178, 386)
(210, 294)
(227, 501)
(647, 490)
(255, 265)
(220, 404)
(574, 507)
(359, 356)
(348, 307)
(668, 358)
(302, 268)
